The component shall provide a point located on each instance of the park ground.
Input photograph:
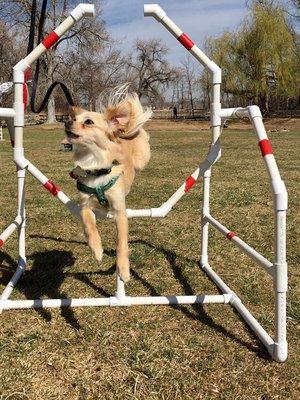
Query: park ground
(167, 353)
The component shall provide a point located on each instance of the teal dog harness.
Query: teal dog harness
(98, 191)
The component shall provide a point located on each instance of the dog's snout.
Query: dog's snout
(68, 124)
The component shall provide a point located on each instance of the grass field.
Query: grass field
(168, 353)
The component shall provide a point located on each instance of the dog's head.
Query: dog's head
(121, 121)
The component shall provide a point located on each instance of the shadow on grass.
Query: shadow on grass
(43, 279)
(47, 274)
(57, 239)
(199, 311)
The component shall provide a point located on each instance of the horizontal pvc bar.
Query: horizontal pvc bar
(237, 112)
(138, 213)
(114, 301)
(7, 112)
(261, 260)
(242, 310)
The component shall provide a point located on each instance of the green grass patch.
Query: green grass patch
(182, 352)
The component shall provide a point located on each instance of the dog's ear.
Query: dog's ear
(127, 117)
(119, 116)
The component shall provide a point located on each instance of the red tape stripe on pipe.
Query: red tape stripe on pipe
(50, 40)
(25, 95)
(189, 183)
(49, 185)
(265, 147)
(185, 41)
(230, 235)
(1, 243)
(27, 74)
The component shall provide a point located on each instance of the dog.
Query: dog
(109, 147)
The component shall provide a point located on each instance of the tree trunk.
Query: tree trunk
(51, 118)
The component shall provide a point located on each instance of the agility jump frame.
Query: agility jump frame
(277, 269)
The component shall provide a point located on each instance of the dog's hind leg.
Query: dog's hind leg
(122, 247)
(90, 229)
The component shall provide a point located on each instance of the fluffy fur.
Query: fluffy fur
(115, 134)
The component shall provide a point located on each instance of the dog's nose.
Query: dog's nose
(68, 124)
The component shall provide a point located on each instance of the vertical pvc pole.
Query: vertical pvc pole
(120, 292)
(204, 223)
(18, 132)
(280, 287)
(280, 204)
(216, 131)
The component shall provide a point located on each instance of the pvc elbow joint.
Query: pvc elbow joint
(155, 11)
(216, 74)
(83, 10)
(19, 70)
(254, 111)
(161, 211)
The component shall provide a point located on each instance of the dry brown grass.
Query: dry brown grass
(152, 352)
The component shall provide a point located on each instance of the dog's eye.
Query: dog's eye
(88, 122)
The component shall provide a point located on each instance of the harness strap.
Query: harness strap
(98, 191)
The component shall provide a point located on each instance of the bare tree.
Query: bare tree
(190, 81)
(96, 69)
(151, 72)
(86, 32)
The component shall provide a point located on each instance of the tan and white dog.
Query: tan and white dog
(108, 148)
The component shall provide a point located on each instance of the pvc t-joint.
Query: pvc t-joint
(155, 11)
(83, 10)
(19, 159)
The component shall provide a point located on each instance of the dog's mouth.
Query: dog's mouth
(71, 135)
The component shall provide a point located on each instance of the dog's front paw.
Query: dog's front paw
(123, 269)
(98, 255)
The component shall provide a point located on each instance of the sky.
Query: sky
(198, 18)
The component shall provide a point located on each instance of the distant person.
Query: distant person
(175, 115)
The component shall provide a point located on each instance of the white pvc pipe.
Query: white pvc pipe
(13, 281)
(114, 301)
(280, 287)
(261, 260)
(160, 212)
(21, 236)
(77, 14)
(204, 222)
(237, 112)
(11, 228)
(155, 11)
(242, 310)
(7, 112)
(255, 325)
